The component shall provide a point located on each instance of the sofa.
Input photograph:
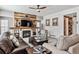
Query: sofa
(11, 45)
(64, 44)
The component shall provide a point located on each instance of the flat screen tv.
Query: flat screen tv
(26, 23)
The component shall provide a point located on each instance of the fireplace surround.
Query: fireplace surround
(26, 33)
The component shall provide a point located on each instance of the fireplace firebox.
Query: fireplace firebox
(26, 33)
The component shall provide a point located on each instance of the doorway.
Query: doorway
(69, 24)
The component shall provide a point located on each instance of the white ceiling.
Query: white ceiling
(50, 9)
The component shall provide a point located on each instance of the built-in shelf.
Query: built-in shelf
(1, 16)
(22, 16)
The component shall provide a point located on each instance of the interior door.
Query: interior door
(68, 25)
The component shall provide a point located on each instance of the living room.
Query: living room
(39, 29)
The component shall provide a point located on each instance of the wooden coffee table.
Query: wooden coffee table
(31, 50)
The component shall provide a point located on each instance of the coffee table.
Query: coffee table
(32, 50)
(41, 42)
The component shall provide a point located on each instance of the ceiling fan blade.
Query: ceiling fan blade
(42, 7)
(32, 8)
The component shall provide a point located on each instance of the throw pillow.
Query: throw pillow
(14, 40)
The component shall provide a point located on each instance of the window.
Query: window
(3, 26)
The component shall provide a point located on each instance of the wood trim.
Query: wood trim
(68, 25)
(19, 16)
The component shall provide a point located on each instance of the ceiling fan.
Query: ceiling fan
(38, 8)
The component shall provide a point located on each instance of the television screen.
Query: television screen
(26, 23)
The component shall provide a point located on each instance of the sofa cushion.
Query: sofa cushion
(19, 48)
(54, 49)
(15, 41)
(52, 41)
(65, 42)
(1, 51)
(6, 45)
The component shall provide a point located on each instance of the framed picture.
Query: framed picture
(55, 21)
(47, 22)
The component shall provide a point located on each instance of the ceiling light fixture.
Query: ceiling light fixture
(38, 8)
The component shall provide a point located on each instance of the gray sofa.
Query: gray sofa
(7, 45)
(64, 45)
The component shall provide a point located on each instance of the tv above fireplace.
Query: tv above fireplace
(26, 23)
